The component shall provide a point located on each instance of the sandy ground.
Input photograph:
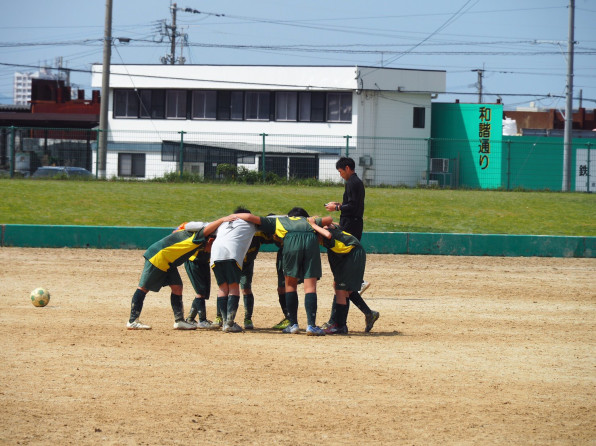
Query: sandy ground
(468, 350)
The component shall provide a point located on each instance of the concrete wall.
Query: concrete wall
(111, 237)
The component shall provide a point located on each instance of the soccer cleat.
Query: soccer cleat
(282, 324)
(364, 287)
(183, 325)
(371, 318)
(137, 325)
(217, 322)
(291, 329)
(334, 329)
(206, 325)
(191, 321)
(327, 325)
(232, 328)
(314, 331)
(248, 325)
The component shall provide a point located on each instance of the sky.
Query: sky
(519, 47)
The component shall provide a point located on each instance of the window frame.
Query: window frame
(283, 103)
(179, 95)
(419, 117)
(342, 99)
(134, 163)
(130, 94)
(156, 107)
(263, 104)
(209, 98)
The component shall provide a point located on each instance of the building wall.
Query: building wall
(469, 135)
(381, 108)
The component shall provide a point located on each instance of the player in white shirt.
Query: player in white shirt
(227, 256)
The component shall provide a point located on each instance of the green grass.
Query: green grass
(119, 203)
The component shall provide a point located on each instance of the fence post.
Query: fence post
(588, 170)
(11, 151)
(347, 145)
(181, 154)
(97, 154)
(428, 154)
(263, 160)
(508, 164)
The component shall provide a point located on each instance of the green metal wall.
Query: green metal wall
(110, 237)
(471, 133)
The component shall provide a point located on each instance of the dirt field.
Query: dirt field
(468, 350)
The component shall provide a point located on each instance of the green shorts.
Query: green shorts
(154, 279)
(227, 271)
(302, 257)
(348, 269)
(199, 274)
(246, 275)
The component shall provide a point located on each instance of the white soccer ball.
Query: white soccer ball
(40, 297)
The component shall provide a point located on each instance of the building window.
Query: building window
(204, 104)
(126, 104)
(317, 107)
(286, 106)
(237, 105)
(304, 106)
(131, 165)
(176, 104)
(419, 117)
(257, 105)
(230, 105)
(152, 104)
(339, 107)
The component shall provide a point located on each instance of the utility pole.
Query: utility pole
(567, 140)
(105, 93)
(173, 38)
(480, 76)
(171, 31)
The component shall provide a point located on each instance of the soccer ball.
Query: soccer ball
(40, 297)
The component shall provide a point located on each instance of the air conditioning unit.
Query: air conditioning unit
(195, 168)
(365, 161)
(439, 165)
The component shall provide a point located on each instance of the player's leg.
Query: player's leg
(152, 279)
(312, 273)
(222, 291)
(281, 291)
(248, 297)
(292, 304)
(230, 326)
(199, 274)
(341, 313)
(354, 268)
(175, 282)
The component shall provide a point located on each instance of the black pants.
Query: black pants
(352, 225)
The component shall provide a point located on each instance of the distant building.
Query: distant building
(149, 106)
(22, 84)
(551, 122)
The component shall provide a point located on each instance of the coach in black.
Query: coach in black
(352, 206)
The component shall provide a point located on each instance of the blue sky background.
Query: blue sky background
(521, 45)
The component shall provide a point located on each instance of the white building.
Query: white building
(308, 114)
(21, 86)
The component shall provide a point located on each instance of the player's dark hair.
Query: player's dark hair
(344, 162)
(298, 212)
(242, 210)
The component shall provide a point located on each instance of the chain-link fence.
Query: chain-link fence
(515, 162)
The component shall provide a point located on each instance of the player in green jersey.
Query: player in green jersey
(161, 268)
(347, 260)
(301, 260)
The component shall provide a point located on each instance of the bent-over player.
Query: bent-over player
(347, 260)
(301, 260)
(161, 268)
